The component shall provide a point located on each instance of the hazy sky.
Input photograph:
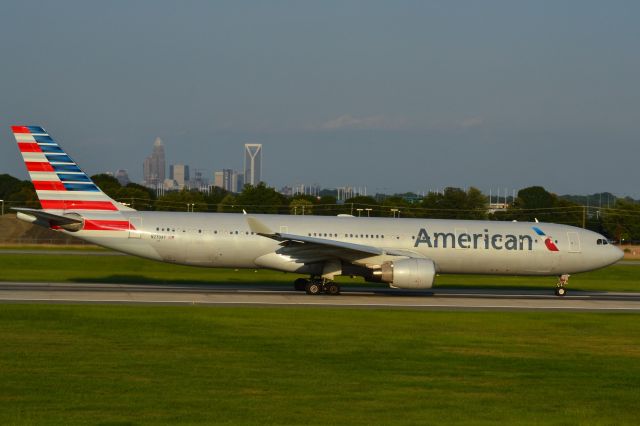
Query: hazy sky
(394, 95)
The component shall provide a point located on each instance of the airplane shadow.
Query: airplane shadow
(347, 289)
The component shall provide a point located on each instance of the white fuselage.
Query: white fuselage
(455, 246)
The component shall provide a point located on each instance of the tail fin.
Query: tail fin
(59, 182)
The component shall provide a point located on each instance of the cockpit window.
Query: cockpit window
(602, 242)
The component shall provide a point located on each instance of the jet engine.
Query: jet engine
(409, 273)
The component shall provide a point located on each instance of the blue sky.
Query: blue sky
(395, 95)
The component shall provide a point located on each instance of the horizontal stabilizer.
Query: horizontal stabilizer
(52, 219)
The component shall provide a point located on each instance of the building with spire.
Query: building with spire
(154, 166)
(253, 163)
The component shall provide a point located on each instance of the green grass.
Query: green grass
(139, 365)
(127, 269)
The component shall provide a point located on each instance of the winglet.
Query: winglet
(258, 227)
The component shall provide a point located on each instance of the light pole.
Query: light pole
(393, 212)
(359, 212)
(368, 212)
(2, 208)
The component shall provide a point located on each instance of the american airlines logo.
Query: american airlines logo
(481, 241)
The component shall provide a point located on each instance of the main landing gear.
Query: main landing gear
(563, 280)
(316, 286)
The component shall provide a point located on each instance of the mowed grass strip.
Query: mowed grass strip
(140, 365)
(129, 269)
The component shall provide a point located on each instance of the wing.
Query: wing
(307, 249)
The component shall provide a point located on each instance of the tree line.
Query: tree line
(619, 221)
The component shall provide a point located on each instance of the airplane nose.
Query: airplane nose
(617, 254)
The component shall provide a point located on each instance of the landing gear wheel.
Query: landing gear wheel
(313, 287)
(300, 284)
(332, 288)
(562, 281)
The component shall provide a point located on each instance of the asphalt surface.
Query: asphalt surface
(352, 297)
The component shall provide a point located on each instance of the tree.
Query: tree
(536, 203)
(228, 204)
(9, 185)
(327, 205)
(534, 197)
(623, 221)
(214, 197)
(351, 206)
(184, 200)
(262, 199)
(400, 203)
(455, 203)
(108, 184)
(301, 206)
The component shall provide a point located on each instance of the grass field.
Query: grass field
(100, 364)
(127, 269)
(135, 365)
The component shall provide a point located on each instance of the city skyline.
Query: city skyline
(488, 94)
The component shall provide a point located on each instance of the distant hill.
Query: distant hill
(603, 199)
(14, 231)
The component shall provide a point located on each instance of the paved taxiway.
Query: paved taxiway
(361, 297)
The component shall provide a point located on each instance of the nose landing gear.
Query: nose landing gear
(563, 280)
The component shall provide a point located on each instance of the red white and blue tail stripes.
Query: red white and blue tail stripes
(59, 182)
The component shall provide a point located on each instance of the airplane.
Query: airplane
(403, 253)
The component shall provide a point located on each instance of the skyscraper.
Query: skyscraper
(179, 173)
(154, 166)
(253, 163)
(229, 180)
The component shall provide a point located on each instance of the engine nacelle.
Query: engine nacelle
(409, 273)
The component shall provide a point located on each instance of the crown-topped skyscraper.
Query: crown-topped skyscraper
(154, 166)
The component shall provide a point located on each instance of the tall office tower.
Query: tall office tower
(253, 163)
(239, 183)
(179, 173)
(123, 177)
(218, 179)
(154, 166)
(228, 179)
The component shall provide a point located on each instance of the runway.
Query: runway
(351, 297)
